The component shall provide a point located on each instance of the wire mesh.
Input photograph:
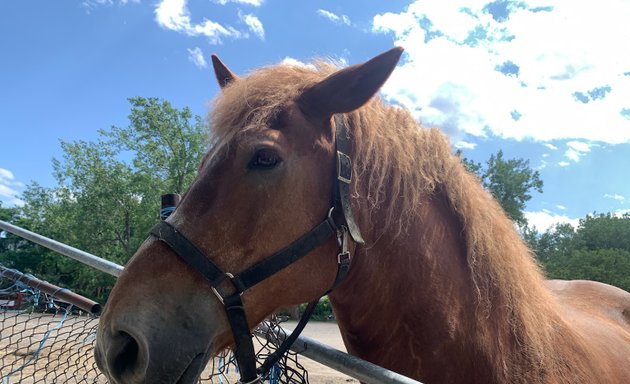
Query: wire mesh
(44, 340)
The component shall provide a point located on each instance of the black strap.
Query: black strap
(273, 358)
(344, 177)
(343, 267)
(281, 259)
(244, 346)
(189, 252)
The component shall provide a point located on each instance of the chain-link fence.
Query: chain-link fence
(44, 338)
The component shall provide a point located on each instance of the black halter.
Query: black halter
(229, 288)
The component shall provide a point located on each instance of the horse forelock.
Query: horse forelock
(250, 102)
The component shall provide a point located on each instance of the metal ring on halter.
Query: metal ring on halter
(218, 295)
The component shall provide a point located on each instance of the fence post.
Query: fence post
(169, 203)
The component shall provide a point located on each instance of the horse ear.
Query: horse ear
(348, 89)
(223, 74)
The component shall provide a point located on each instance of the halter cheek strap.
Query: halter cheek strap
(344, 179)
(238, 284)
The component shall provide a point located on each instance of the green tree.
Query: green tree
(7, 243)
(598, 249)
(604, 231)
(167, 143)
(611, 266)
(7, 214)
(108, 190)
(509, 181)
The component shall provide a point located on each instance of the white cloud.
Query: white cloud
(174, 15)
(255, 3)
(475, 71)
(296, 63)
(196, 56)
(343, 19)
(6, 175)
(577, 149)
(579, 146)
(551, 146)
(545, 219)
(8, 188)
(90, 5)
(615, 196)
(464, 145)
(564, 163)
(254, 24)
(561, 207)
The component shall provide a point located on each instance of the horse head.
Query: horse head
(267, 182)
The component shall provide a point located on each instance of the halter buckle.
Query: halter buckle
(343, 258)
(219, 296)
(344, 167)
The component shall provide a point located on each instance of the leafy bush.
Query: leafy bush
(323, 310)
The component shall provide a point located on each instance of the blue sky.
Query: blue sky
(548, 81)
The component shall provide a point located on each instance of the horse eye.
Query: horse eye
(265, 158)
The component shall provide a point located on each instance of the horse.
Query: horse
(438, 284)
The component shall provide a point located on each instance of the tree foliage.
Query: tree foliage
(108, 192)
(598, 249)
(509, 181)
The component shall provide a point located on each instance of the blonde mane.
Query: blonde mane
(402, 164)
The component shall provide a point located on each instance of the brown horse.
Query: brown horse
(442, 290)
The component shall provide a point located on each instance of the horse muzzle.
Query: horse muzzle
(129, 357)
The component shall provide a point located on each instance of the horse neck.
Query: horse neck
(408, 297)
(411, 303)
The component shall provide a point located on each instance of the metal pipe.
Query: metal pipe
(74, 253)
(352, 366)
(62, 294)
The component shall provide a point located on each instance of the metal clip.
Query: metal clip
(343, 257)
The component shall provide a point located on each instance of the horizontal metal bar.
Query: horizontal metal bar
(61, 294)
(74, 253)
(352, 366)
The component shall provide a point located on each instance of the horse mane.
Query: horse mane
(406, 164)
(395, 157)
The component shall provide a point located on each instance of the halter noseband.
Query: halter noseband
(228, 288)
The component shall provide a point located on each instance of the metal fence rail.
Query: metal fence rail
(331, 357)
(64, 249)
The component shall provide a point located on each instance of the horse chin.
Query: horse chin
(194, 369)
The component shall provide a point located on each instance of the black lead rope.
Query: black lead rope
(232, 302)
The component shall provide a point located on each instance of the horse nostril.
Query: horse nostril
(125, 360)
(128, 354)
